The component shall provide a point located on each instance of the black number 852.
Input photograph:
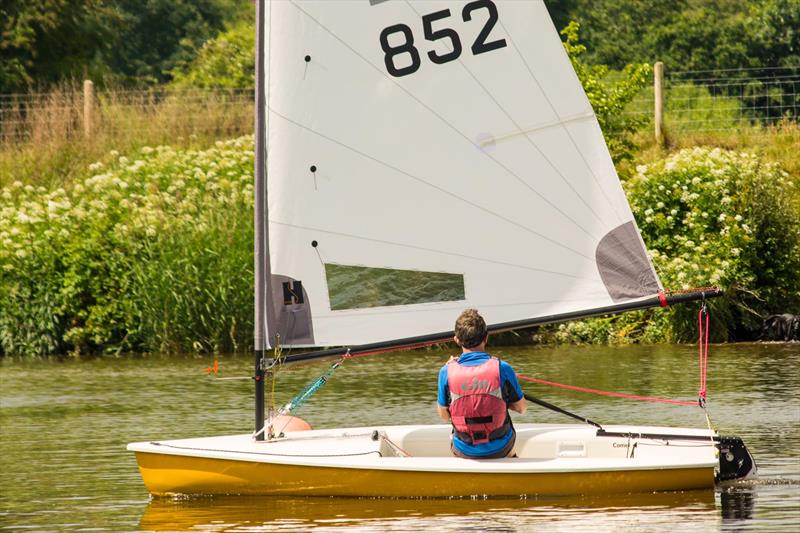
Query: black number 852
(480, 45)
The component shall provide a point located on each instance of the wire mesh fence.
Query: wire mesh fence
(69, 112)
(694, 101)
(723, 100)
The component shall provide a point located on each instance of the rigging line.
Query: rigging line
(607, 393)
(420, 102)
(533, 144)
(433, 186)
(566, 130)
(442, 252)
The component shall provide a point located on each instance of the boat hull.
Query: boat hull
(414, 461)
(170, 474)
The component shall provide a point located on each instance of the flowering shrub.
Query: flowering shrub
(145, 254)
(716, 217)
(708, 217)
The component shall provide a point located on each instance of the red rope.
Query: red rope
(703, 343)
(607, 393)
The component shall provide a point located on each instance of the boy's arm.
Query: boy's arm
(443, 397)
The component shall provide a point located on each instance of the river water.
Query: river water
(64, 426)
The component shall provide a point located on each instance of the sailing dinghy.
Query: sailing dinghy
(424, 157)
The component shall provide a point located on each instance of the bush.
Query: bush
(722, 218)
(153, 253)
(609, 98)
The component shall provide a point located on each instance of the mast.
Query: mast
(263, 309)
(662, 300)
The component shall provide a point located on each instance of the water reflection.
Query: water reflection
(242, 514)
(737, 504)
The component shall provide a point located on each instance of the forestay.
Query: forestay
(427, 156)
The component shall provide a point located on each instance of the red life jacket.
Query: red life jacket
(477, 409)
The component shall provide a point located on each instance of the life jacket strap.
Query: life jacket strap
(481, 436)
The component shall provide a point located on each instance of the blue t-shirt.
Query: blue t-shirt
(511, 393)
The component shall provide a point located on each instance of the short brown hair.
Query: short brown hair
(470, 328)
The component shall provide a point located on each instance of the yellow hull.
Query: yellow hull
(169, 474)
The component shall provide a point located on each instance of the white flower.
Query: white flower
(738, 218)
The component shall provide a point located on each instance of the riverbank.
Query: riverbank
(151, 249)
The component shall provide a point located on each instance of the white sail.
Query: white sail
(427, 156)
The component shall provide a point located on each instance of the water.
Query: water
(64, 427)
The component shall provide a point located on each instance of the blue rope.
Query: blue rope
(310, 389)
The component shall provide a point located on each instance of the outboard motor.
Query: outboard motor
(735, 460)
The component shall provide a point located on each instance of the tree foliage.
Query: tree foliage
(46, 40)
(133, 41)
(686, 34)
(225, 61)
(608, 98)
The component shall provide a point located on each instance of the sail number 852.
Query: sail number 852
(406, 46)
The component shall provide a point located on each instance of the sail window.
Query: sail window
(357, 287)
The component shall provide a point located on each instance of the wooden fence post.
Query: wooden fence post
(88, 106)
(658, 86)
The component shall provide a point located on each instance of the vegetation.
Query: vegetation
(723, 218)
(42, 141)
(609, 98)
(152, 252)
(700, 38)
(121, 41)
(225, 61)
(117, 242)
(686, 34)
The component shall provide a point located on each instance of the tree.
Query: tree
(42, 41)
(131, 41)
(158, 34)
(226, 61)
